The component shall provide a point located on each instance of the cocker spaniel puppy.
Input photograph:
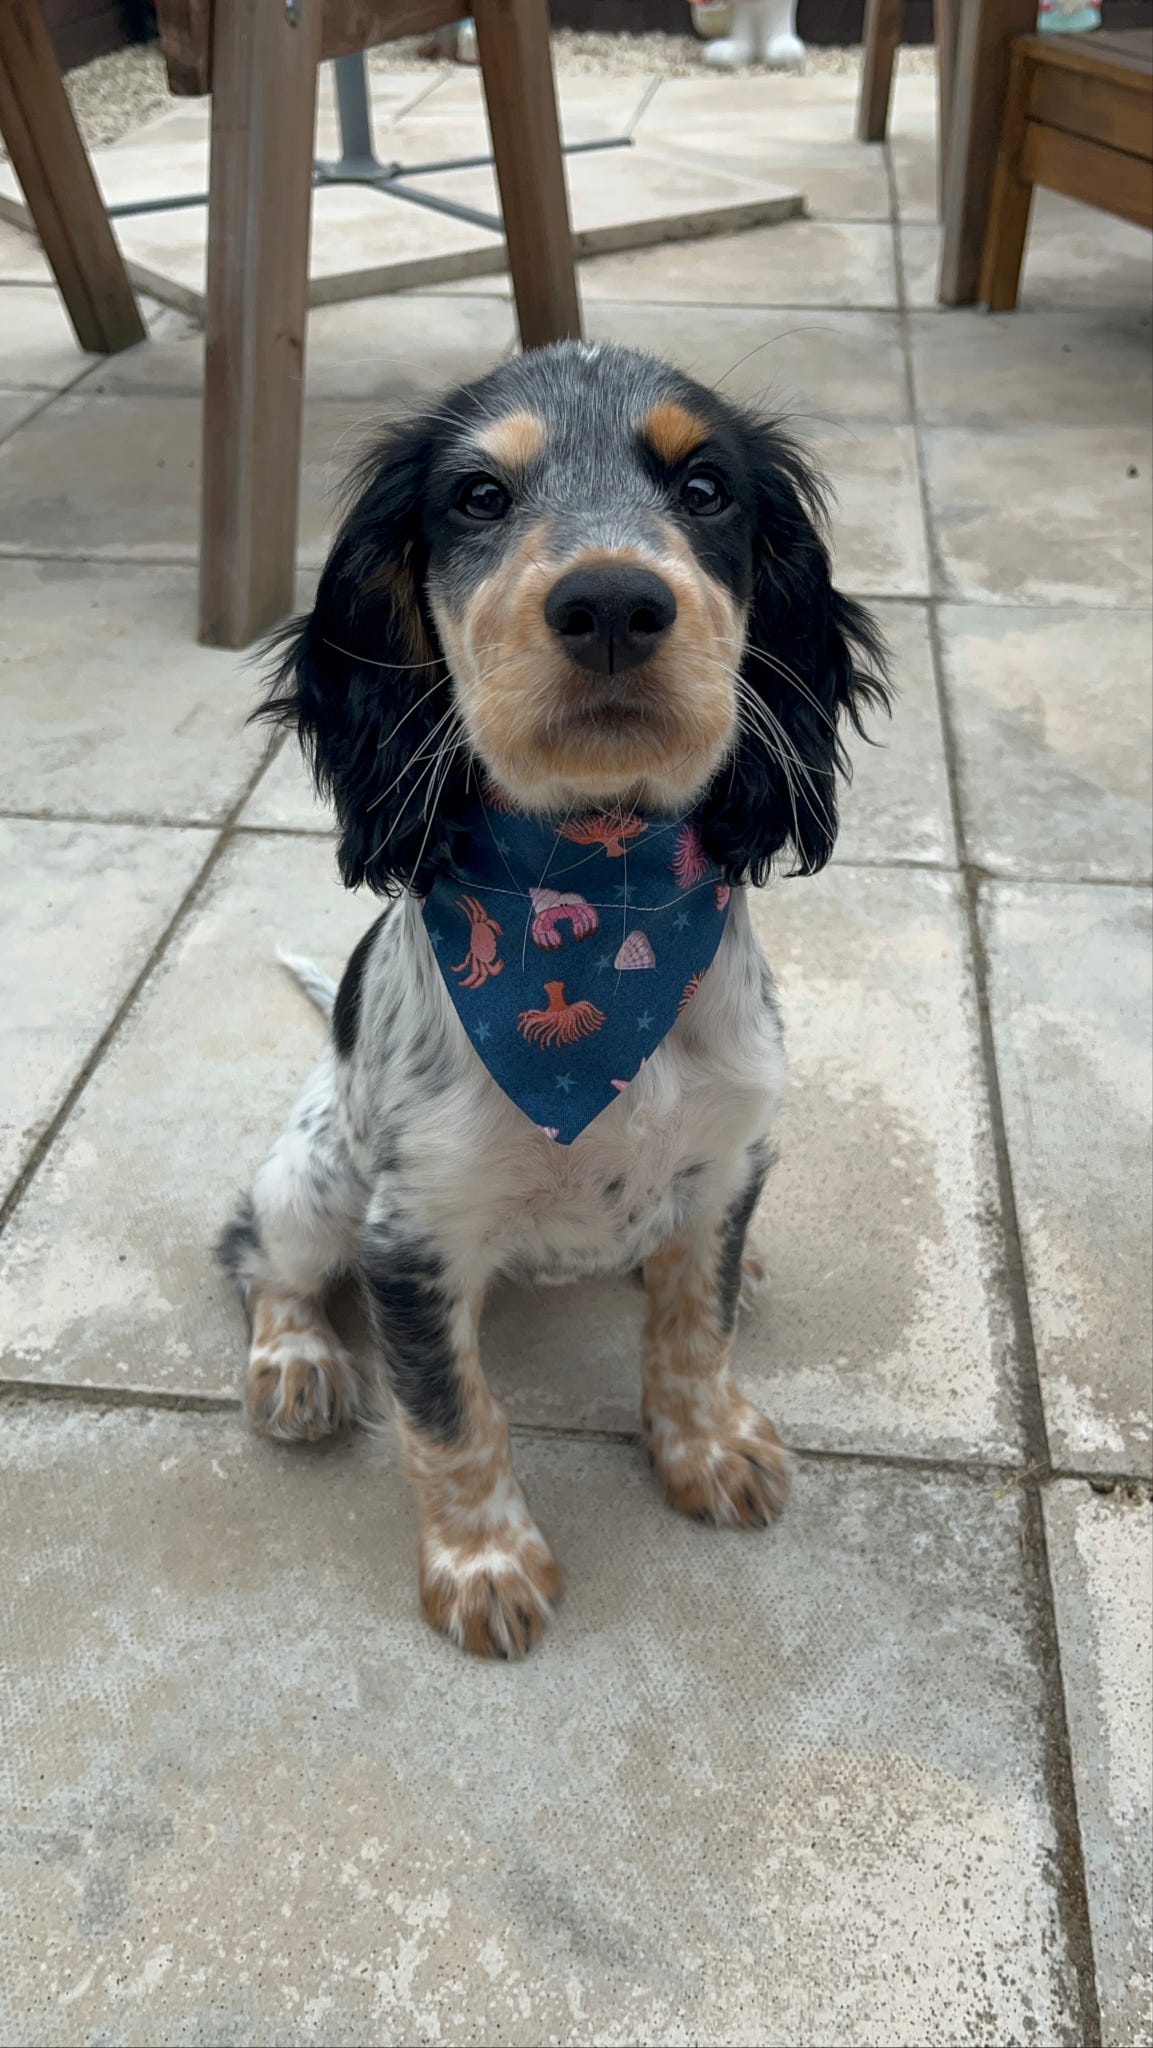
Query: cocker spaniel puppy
(572, 680)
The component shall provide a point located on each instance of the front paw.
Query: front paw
(492, 1595)
(733, 1472)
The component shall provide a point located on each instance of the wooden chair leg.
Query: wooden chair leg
(259, 211)
(882, 41)
(985, 32)
(1010, 203)
(57, 180)
(945, 38)
(516, 66)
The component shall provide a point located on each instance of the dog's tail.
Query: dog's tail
(315, 983)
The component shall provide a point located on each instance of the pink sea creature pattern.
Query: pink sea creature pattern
(554, 907)
(620, 1086)
(721, 894)
(690, 864)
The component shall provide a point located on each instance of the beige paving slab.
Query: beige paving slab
(914, 161)
(1101, 1559)
(1049, 515)
(284, 799)
(22, 261)
(111, 709)
(878, 528)
(841, 178)
(898, 806)
(120, 1287)
(38, 350)
(801, 109)
(825, 366)
(600, 102)
(797, 263)
(392, 351)
(16, 407)
(116, 477)
(736, 1795)
(1075, 256)
(1085, 367)
(1070, 993)
(81, 907)
(883, 1325)
(1053, 717)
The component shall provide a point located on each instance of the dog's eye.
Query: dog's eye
(481, 497)
(703, 493)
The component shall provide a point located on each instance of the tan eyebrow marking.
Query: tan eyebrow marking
(515, 440)
(672, 432)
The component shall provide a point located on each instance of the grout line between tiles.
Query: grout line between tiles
(1072, 1888)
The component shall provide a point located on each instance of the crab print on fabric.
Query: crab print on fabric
(627, 912)
(484, 931)
(554, 907)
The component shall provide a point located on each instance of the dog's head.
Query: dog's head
(588, 580)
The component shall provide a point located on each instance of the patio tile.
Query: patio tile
(1087, 367)
(1075, 256)
(81, 907)
(841, 178)
(1053, 717)
(898, 807)
(797, 263)
(1070, 999)
(38, 350)
(94, 1290)
(16, 407)
(813, 109)
(110, 707)
(842, 365)
(224, 1694)
(1046, 515)
(117, 477)
(394, 349)
(1101, 1560)
(883, 1325)
(878, 529)
(22, 261)
(284, 798)
(599, 104)
(914, 161)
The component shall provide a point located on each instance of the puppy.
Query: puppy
(572, 680)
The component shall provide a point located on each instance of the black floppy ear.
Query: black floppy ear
(811, 655)
(361, 678)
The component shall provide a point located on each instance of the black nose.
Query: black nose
(610, 618)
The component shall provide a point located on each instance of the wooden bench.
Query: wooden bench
(1079, 120)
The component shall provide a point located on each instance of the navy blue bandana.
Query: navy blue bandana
(569, 949)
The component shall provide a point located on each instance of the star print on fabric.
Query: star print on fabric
(482, 1031)
(437, 937)
(565, 1082)
(621, 892)
(681, 920)
(645, 1023)
(501, 846)
(606, 960)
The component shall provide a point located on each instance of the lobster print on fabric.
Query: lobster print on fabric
(626, 911)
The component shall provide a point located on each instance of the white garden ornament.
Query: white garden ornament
(763, 32)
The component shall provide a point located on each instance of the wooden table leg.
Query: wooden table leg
(1011, 199)
(265, 56)
(945, 37)
(50, 160)
(985, 31)
(516, 66)
(882, 41)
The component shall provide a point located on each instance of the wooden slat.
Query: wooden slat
(186, 45)
(516, 69)
(57, 180)
(263, 113)
(882, 36)
(945, 19)
(1116, 111)
(1083, 170)
(1012, 194)
(357, 24)
(987, 29)
(1131, 51)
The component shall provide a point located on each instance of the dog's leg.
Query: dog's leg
(487, 1577)
(718, 1457)
(296, 1232)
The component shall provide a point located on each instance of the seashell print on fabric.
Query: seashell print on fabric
(635, 952)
